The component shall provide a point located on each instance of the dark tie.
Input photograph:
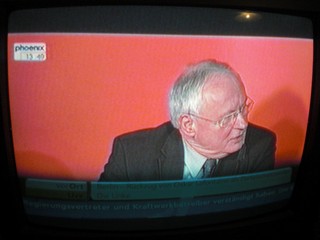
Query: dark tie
(207, 168)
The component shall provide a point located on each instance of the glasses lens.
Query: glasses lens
(244, 111)
(249, 105)
(228, 120)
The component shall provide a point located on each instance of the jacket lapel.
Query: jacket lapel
(171, 160)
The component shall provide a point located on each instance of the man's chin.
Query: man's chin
(235, 145)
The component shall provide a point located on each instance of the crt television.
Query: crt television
(76, 74)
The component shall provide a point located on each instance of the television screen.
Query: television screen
(79, 77)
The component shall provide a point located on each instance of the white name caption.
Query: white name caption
(32, 52)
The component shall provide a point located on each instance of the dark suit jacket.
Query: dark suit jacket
(157, 154)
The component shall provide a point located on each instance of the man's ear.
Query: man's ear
(187, 125)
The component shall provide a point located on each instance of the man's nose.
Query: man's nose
(241, 121)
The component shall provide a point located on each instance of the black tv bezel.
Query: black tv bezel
(300, 216)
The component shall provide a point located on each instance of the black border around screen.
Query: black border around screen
(302, 208)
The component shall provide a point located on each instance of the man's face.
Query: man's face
(221, 101)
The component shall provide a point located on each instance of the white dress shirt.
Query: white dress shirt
(193, 162)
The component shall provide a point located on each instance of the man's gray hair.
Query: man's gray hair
(186, 93)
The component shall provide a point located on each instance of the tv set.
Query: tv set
(76, 74)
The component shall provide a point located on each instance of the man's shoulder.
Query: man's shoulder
(162, 130)
(258, 132)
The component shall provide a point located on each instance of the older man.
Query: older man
(208, 134)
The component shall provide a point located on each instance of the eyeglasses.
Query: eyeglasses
(230, 119)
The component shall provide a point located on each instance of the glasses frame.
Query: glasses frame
(220, 123)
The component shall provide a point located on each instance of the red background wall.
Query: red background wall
(66, 110)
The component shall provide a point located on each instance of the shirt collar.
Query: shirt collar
(193, 160)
